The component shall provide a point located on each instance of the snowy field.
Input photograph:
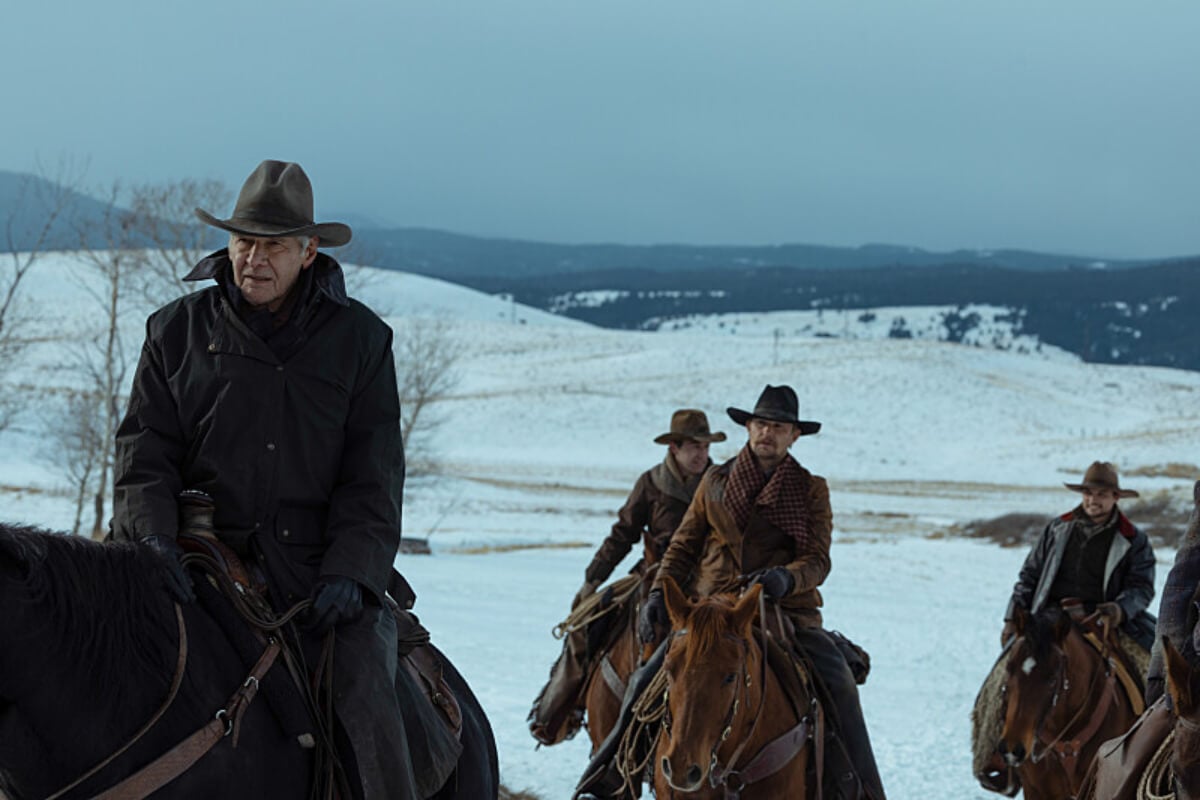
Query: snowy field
(551, 422)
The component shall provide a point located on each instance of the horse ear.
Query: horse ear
(746, 609)
(1062, 626)
(1179, 678)
(12, 561)
(1020, 619)
(678, 606)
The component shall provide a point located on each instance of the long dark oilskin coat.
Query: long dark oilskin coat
(302, 455)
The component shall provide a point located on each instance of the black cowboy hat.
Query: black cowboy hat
(689, 424)
(778, 404)
(277, 200)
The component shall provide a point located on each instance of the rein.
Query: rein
(226, 721)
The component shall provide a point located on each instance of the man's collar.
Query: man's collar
(327, 273)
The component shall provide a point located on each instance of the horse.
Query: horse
(1062, 701)
(1183, 684)
(730, 730)
(92, 675)
(606, 685)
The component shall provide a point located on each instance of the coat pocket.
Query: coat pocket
(302, 531)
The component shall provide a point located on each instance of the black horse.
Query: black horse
(88, 651)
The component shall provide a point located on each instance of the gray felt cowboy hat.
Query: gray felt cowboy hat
(689, 424)
(277, 200)
(778, 404)
(1101, 475)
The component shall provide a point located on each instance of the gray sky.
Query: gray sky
(1068, 126)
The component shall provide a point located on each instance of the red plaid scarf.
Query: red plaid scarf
(780, 500)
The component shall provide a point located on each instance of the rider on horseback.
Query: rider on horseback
(275, 394)
(652, 512)
(763, 517)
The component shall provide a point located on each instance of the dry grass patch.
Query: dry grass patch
(1174, 469)
(509, 794)
(512, 548)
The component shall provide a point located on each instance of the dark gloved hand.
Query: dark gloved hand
(1112, 612)
(174, 577)
(653, 616)
(335, 600)
(586, 591)
(777, 582)
(1010, 630)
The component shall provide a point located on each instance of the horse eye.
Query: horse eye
(730, 678)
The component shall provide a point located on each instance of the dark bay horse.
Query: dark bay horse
(89, 645)
(1062, 701)
(1183, 684)
(730, 730)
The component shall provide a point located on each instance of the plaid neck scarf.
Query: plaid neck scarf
(779, 500)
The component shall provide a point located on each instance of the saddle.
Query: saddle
(432, 715)
(1121, 762)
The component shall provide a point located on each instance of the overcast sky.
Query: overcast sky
(1060, 125)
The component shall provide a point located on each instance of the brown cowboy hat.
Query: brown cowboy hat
(778, 404)
(689, 423)
(1101, 475)
(277, 200)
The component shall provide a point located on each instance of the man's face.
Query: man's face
(1098, 503)
(266, 269)
(770, 440)
(691, 456)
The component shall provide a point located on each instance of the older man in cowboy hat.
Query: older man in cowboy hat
(275, 394)
(1094, 554)
(651, 514)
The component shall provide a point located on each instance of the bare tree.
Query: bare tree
(75, 443)
(41, 203)
(174, 240)
(427, 357)
(109, 274)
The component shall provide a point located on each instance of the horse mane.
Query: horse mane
(1040, 631)
(100, 607)
(708, 622)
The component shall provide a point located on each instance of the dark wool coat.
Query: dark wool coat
(652, 512)
(1177, 613)
(1128, 573)
(298, 443)
(708, 552)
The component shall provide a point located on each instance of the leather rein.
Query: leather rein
(777, 753)
(226, 721)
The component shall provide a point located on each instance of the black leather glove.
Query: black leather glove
(335, 600)
(174, 577)
(653, 616)
(777, 582)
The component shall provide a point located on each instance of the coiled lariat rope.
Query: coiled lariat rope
(1158, 782)
(636, 749)
(594, 606)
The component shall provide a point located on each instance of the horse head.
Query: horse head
(1183, 684)
(711, 694)
(1036, 681)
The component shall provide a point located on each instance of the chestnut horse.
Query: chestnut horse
(89, 645)
(730, 729)
(606, 686)
(1062, 700)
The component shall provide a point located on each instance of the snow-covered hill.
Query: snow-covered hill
(552, 420)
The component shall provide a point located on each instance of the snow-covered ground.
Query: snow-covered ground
(552, 421)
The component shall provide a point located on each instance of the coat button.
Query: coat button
(270, 445)
(212, 348)
(285, 533)
(279, 368)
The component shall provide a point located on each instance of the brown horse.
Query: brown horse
(730, 729)
(606, 686)
(1062, 701)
